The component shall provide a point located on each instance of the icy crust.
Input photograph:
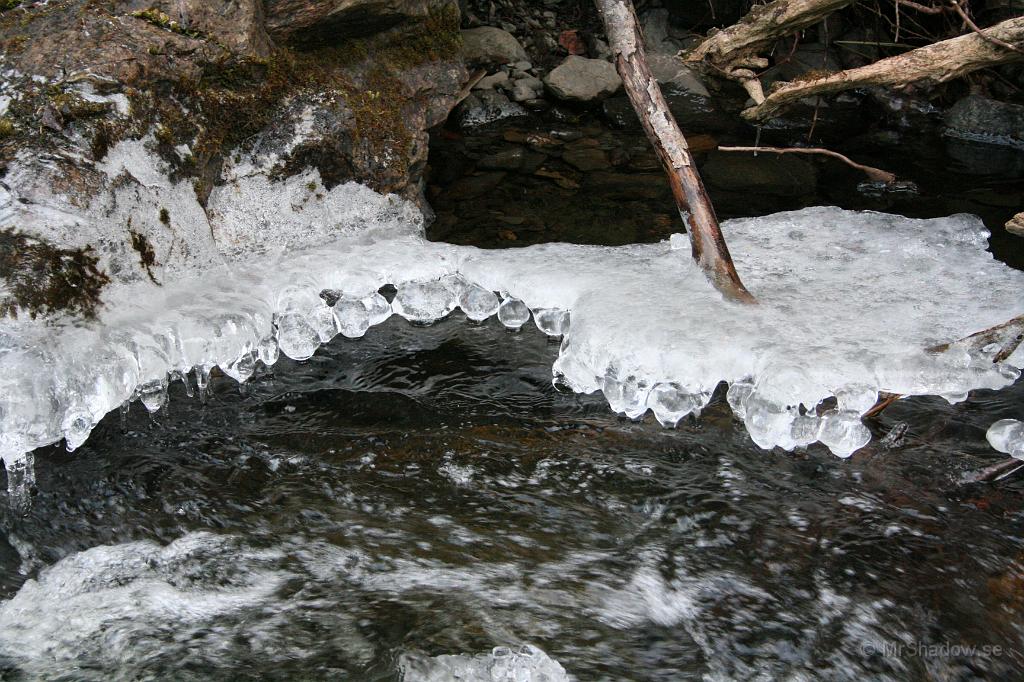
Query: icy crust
(848, 302)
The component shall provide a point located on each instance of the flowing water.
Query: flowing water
(398, 506)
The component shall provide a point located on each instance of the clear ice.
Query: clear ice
(848, 301)
(1007, 435)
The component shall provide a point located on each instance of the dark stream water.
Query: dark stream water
(427, 492)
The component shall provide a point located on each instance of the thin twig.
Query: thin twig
(974, 27)
(876, 174)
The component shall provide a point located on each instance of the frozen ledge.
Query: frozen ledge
(848, 300)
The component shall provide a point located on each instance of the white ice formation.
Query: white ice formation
(848, 303)
(1007, 435)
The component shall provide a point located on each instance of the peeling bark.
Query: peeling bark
(738, 45)
(709, 248)
(938, 63)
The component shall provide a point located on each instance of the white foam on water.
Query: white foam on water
(848, 301)
(525, 663)
(112, 601)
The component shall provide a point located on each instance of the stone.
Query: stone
(674, 77)
(486, 106)
(522, 92)
(776, 174)
(654, 24)
(579, 79)
(586, 159)
(986, 120)
(489, 45)
(1015, 225)
(317, 22)
(492, 81)
(506, 159)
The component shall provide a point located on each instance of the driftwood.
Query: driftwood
(938, 63)
(738, 45)
(875, 174)
(709, 248)
(1006, 337)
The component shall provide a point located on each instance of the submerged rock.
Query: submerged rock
(986, 120)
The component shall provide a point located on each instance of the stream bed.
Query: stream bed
(399, 506)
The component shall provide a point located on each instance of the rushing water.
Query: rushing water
(426, 492)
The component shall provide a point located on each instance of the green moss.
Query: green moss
(6, 127)
(8, 4)
(165, 216)
(157, 18)
(73, 106)
(42, 278)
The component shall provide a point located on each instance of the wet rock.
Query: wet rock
(654, 24)
(317, 22)
(693, 112)
(492, 81)
(779, 175)
(1015, 225)
(579, 79)
(586, 158)
(489, 45)
(674, 77)
(986, 120)
(486, 106)
(475, 185)
(507, 159)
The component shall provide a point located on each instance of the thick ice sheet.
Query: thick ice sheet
(848, 303)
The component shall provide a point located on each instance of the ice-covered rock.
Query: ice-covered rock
(849, 303)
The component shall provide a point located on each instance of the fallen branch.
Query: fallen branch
(875, 174)
(709, 248)
(738, 45)
(939, 62)
(1006, 337)
(994, 473)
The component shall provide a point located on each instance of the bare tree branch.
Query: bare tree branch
(876, 174)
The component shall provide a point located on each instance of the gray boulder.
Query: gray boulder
(579, 79)
(489, 45)
(675, 77)
(987, 120)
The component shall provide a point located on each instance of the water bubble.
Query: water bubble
(352, 317)
(241, 368)
(513, 313)
(424, 302)
(1007, 435)
(296, 337)
(268, 351)
(377, 308)
(843, 432)
(552, 321)
(153, 394)
(478, 303)
(670, 402)
(323, 321)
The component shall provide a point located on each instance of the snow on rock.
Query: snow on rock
(848, 303)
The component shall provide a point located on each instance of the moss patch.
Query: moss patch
(41, 278)
(147, 256)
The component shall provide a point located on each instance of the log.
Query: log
(937, 63)
(739, 44)
(708, 245)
